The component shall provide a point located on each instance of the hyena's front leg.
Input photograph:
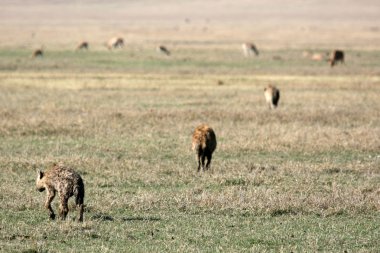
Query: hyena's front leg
(49, 198)
(63, 208)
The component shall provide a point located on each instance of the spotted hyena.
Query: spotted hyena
(204, 144)
(67, 183)
(272, 96)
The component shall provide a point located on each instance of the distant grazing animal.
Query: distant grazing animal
(67, 183)
(83, 45)
(163, 50)
(272, 96)
(38, 53)
(317, 57)
(336, 56)
(204, 144)
(249, 49)
(116, 42)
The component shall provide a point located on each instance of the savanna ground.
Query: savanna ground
(303, 178)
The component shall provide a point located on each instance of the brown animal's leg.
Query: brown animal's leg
(203, 161)
(49, 198)
(80, 206)
(209, 157)
(79, 202)
(63, 208)
(199, 162)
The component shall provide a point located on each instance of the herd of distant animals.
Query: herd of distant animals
(67, 183)
(249, 50)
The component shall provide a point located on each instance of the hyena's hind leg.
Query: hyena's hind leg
(79, 202)
(209, 157)
(63, 207)
(49, 198)
(199, 162)
(203, 159)
(199, 158)
(80, 209)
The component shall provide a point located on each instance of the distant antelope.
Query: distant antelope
(116, 42)
(249, 49)
(83, 45)
(38, 53)
(317, 57)
(336, 56)
(204, 144)
(163, 50)
(272, 96)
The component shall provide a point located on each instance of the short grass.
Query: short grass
(190, 60)
(302, 178)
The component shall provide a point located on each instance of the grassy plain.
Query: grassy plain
(302, 178)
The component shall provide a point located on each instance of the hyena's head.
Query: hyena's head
(40, 181)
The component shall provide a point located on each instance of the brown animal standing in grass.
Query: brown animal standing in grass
(336, 56)
(116, 42)
(204, 144)
(163, 50)
(272, 96)
(249, 49)
(83, 45)
(38, 53)
(67, 183)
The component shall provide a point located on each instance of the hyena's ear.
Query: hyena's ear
(40, 173)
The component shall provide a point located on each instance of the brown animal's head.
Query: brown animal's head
(40, 181)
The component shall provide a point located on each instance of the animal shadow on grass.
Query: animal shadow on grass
(140, 218)
(102, 217)
(106, 217)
